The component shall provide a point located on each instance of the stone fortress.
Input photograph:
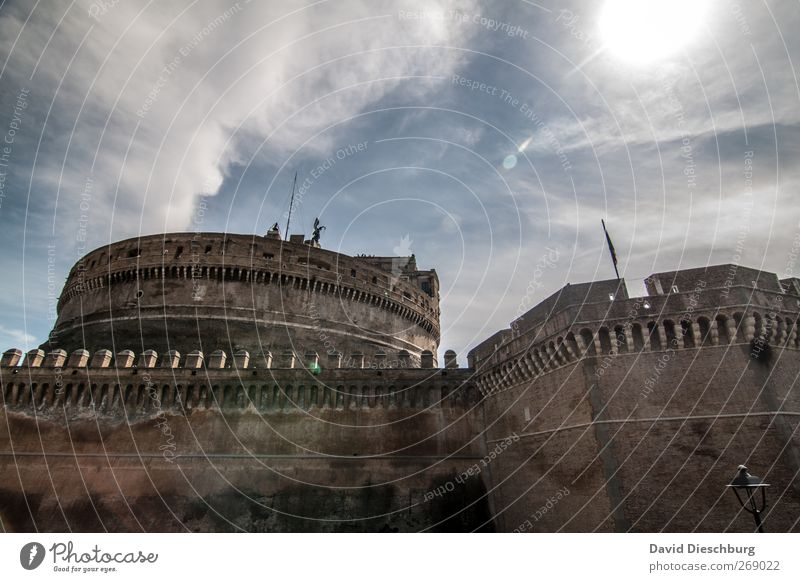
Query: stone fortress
(220, 382)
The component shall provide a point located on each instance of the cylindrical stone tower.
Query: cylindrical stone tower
(209, 291)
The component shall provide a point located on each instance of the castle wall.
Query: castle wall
(277, 450)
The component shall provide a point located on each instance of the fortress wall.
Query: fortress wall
(643, 474)
(548, 475)
(365, 464)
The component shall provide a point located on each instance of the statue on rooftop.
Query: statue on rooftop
(317, 231)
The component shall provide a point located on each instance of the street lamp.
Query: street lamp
(744, 481)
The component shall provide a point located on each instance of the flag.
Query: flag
(610, 248)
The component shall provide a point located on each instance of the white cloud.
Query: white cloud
(17, 338)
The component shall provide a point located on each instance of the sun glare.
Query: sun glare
(647, 30)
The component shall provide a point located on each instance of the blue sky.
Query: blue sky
(494, 136)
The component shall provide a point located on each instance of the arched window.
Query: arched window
(563, 353)
(687, 333)
(638, 337)
(588, 342)
(722, 329)
(738, 318)
(669, 329)
(572, 342)
(759, 326)
(655, 338)
(605, 340)
(789, 328)
(620, 341)
(704, 327)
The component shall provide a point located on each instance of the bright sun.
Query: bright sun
(647, 30)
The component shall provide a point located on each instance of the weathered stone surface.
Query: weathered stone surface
(245, 292)
(592, 412)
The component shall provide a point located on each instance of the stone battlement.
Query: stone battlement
(144, 386)
(217, 360)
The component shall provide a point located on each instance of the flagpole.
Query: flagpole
(610, 248)
(291, 203)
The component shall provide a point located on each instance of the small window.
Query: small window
(646, 305)
(139, 293)
(208, 249)
(374, 279)
(611, 297)
(675, 289)
(353, 273)
(178, 252)
(133, 253)
(269, 256)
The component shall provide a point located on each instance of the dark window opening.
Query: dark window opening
(178, 252)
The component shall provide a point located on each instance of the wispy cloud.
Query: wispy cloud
(16, 338)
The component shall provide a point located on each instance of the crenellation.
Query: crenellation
(217, 359)
(171, 359)
(195, 360)
(241, 359)
(78, 359)
(148, 359)
(11, 357)
(101, 359)
(55, 359)
(125, 359)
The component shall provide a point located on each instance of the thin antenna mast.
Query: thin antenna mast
(291, 203)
